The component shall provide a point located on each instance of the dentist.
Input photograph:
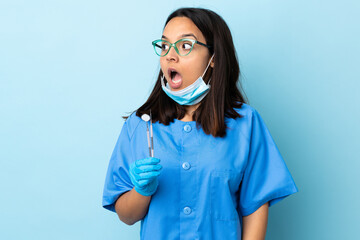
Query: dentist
(216, 169)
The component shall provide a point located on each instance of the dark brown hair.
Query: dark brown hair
(224, 94)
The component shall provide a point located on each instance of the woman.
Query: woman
(216, 168)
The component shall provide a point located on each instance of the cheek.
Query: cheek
(193, 71)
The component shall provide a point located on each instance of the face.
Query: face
(182, 71)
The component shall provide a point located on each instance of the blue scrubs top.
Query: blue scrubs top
(207, 184)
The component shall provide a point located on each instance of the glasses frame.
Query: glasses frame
(154, 43)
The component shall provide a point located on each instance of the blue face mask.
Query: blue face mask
(190, 95)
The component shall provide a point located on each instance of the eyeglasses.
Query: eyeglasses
(183, 46)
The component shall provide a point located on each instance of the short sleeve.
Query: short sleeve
(266, 177)
(117, 179)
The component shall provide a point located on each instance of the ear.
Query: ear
(212, 63)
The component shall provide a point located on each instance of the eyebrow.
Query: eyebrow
(184, 35)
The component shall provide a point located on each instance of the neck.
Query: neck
(189, 112)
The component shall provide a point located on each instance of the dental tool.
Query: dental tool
(152, 139)
(145, 117)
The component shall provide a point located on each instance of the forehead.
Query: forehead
(179, 26)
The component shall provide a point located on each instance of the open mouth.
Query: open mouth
(175, 76)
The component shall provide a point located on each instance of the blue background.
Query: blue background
(70, 69)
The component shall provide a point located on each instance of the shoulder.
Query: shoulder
(131, 124)
(246, 124)
(247, 112)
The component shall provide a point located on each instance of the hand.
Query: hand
(144, 173)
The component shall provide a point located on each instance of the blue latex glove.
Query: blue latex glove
(144, 173)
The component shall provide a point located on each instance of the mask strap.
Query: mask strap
(162, 79)
(208, 66)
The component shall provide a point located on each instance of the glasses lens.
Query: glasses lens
(161, 48)
(184, 47)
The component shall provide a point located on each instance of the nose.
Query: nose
(172, 55)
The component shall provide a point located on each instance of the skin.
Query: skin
(132, 206)
(255, 224)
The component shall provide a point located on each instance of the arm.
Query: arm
(132, 207)
(254, 225)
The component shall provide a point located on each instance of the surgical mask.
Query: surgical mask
(192, 94)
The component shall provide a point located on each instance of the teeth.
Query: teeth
(171, 77)
(176, 81)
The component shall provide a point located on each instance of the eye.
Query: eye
(164, 46)
(186, 45)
